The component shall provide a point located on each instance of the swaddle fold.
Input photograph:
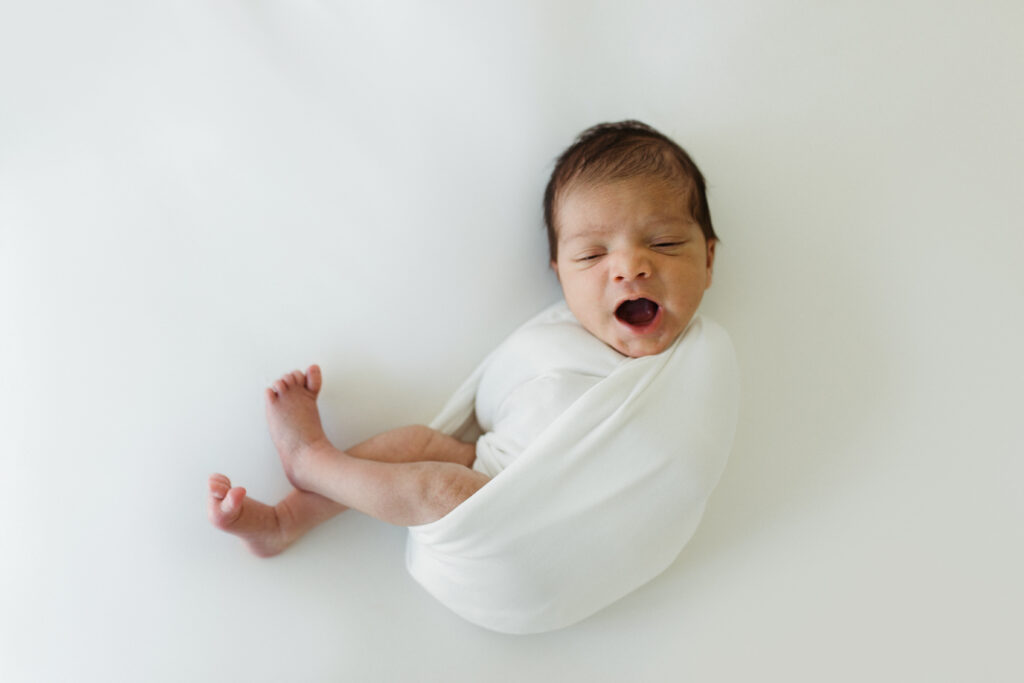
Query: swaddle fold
(602, 501)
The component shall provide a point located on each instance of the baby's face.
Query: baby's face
(632, 261)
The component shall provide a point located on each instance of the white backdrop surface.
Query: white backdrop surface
(198, 196)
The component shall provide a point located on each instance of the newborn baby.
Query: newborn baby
(632, 245)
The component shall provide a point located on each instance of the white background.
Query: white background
(196, 197)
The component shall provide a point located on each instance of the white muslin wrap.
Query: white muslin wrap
(599, 502)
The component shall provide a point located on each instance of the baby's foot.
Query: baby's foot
(294, 421)
(254, 522)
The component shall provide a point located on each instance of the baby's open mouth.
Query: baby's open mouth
(637, 312)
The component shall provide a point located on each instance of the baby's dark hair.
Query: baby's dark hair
(617, 151)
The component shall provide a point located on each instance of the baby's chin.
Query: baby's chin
(651, 337)
(639, 348)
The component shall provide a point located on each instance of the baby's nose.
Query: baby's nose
(631, 266)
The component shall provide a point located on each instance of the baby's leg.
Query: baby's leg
(406, 494)
(409, 476)
(269, 530)
(266, 530)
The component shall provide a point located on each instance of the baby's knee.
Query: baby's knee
(453, 486)
(418, 437)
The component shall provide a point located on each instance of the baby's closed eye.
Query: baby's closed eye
(668, 244)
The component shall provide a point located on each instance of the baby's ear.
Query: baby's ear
(710, 261)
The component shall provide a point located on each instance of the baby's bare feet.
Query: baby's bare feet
(294, 421)
(254, 522)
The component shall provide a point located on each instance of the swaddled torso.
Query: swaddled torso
(603, 498)
(534, 375)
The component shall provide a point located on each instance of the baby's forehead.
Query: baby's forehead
(678, 183)
(607, 205)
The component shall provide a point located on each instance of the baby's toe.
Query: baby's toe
(233, 500)
(224, 513)
(298, 379)
(313, 378)
(280, 387)
(219, 486)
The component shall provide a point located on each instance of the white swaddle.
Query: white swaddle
(530, 379)
(602, 499)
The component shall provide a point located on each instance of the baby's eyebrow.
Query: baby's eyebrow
(586, 234)
(676, 220)
(598, 231)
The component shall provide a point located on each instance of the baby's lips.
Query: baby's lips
(634, 296)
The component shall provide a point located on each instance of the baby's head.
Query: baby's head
(630, 235)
